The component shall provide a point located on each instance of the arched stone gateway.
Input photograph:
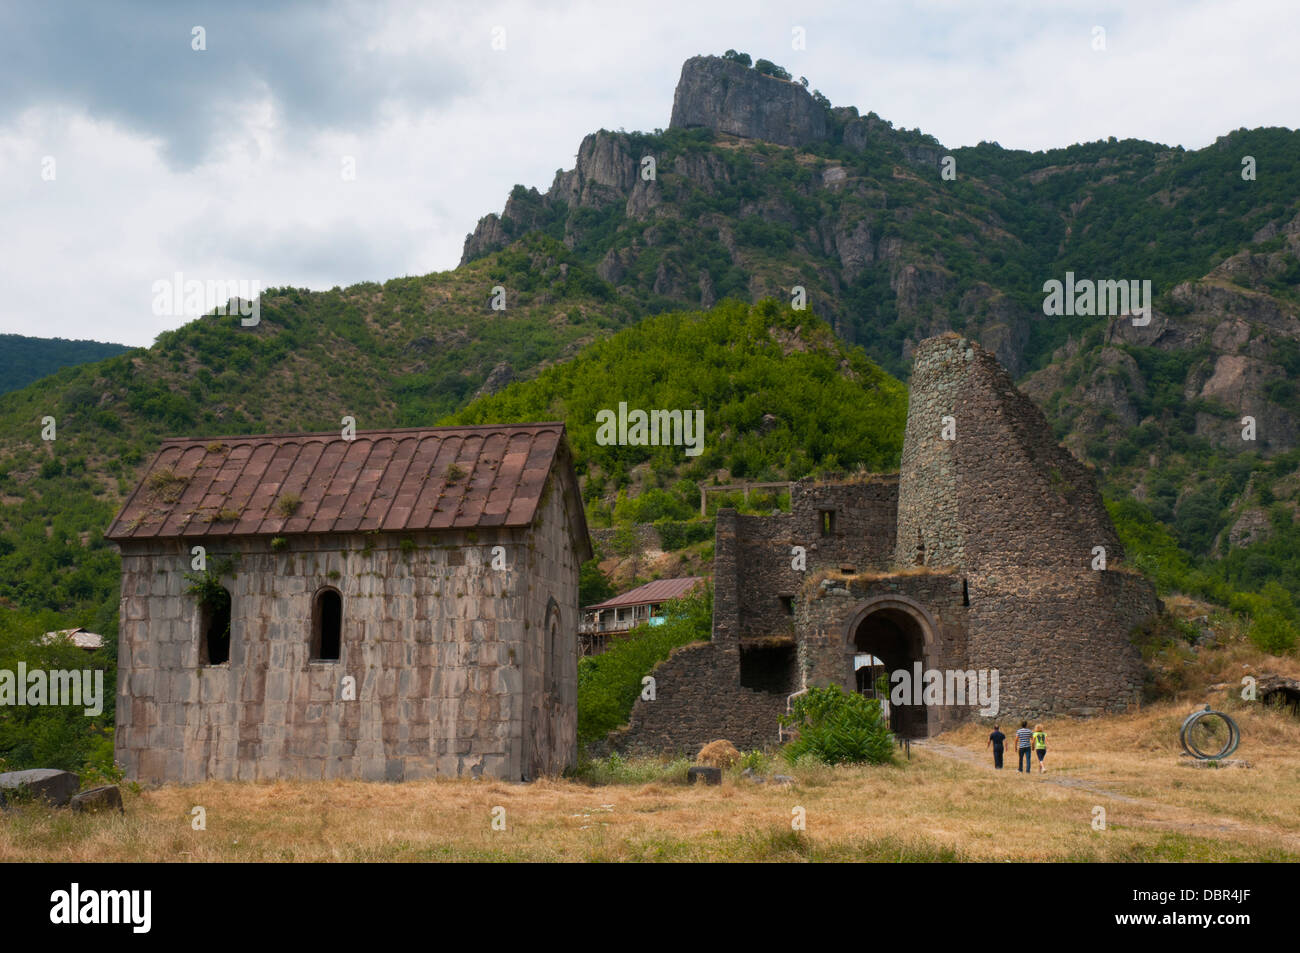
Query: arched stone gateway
(899, 632)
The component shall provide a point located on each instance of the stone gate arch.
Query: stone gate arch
(900, 632)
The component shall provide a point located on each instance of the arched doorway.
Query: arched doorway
(899, 633)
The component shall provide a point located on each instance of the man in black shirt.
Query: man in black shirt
(996, 739)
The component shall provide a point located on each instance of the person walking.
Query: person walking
(1024, 753)
(996, 739)
(1040, 745)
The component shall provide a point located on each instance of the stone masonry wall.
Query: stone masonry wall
(929, 531)
(550, 634)
(696, 703)
(444, 666)
(1020, 516)
(828, 648)
(647, 538)
(1061, 641)
(1003, 492)
(763, 574)
(865, 522)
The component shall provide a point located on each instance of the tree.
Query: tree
(593, 585)
(768, 68)
(741, 58)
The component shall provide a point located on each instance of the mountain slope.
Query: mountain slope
(26, 359)
(851, 209)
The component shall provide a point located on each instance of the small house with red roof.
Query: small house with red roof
(643, 605)
(382, 605)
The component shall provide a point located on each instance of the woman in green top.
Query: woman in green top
(1040, 746)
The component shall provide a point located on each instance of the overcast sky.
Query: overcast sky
(227, 162)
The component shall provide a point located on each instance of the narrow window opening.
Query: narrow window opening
(327, 626)
(787, 604)
(214, 629)
(553, 654)
(965, 593)
(828, 522)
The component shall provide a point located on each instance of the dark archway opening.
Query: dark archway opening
(327, 626)
(214, 629)
(896, 638)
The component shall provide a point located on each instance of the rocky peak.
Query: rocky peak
(718, 94)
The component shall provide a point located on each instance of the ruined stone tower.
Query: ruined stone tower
(987, 490)
(985, 553)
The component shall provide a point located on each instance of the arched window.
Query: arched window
(214, 629)
(553, 646)
(327, 626)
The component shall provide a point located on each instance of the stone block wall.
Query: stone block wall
(698, 700)
(929, 531)
(827, 615)
(865, 522)
(647, 538)
(1060, 640)
(445, 651)
(1003, 492)
(550, 635)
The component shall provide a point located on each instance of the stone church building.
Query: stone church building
(396, 604)
(982, 553)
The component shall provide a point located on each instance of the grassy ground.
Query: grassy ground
(946, 804)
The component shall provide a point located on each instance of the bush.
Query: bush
(678, 535)
(836, 727)
(1273, 633)
(651, 506)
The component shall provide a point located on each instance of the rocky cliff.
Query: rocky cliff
(718, 94)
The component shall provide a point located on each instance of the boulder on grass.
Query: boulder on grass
(718, 754)
(101, 799)
(50, 784)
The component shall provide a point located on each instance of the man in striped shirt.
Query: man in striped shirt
(1024, 740)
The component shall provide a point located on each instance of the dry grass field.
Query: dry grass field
(945, 804)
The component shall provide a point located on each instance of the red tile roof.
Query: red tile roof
(386, 480)
(661, 590)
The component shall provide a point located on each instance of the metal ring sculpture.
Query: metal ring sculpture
(1205, 717)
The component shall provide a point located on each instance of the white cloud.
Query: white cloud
(442, 126)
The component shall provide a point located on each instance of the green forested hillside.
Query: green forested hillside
(781, 397)
(25, 359)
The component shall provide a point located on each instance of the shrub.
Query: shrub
(678, 535)
(206, 587)
(651, 506)
(836, 727)
(1273, 633)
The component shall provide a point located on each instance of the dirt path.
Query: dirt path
(1171, 817)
